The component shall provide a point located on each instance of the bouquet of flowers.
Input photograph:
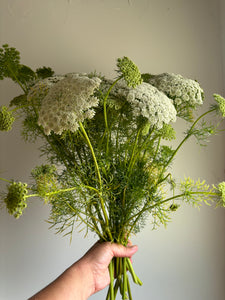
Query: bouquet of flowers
(108, 148)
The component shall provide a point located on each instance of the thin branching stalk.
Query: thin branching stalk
(105, 113)
(185, 138)
(6, 180)
(93, 154)
(83, 220)
(146, 207)
(16, 79)
(99, 179)
(131, 163)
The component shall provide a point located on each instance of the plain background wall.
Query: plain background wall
(186, 260)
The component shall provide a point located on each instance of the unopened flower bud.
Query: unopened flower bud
(130, 71)
(16, 198)
(6, 119)
(174, 207)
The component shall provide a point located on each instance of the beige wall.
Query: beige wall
(186, 260)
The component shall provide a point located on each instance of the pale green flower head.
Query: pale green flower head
(221, 103)
(6, 119)
(16, 198)
(221, 188)
(45, 178)
(129, 71)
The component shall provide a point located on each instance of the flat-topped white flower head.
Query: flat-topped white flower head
(146, 101)
(68, 102)
(149, 102)
(178, 88)
(40, 89)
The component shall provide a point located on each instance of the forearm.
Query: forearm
(74, 284)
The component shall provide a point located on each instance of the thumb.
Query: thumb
(122, 251)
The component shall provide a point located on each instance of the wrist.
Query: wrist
(82, 278)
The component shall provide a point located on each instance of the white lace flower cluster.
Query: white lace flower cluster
(68, 102)
(152, 104)
(178, 88)
(40, 89)
(148, 102)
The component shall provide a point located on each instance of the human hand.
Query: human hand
(96, 262)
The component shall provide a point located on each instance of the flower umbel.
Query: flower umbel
(45, 178)
(130, 71)
(185, 93)
(6, 119)
(68, 102)
(152, 104)
(148, 102)
(16, 198)
(221, 102)
(178, 88)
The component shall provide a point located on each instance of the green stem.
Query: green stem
(99, 179)
(111, 273)
(133, 152)
(93, 154)
(124, 260)
(143, 146)
(105, 113)
(17, 80)
(146, 207)
(157, 149)
(105, 101)
(6, 180)
(129, 290)
(133, 274)
(184, 194)
(82, 219)
(185, 138)
(52, 193)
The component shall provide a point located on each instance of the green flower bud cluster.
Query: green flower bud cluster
(16, 198)
(45, 178)
(174, 207)
(6, 119)
(221, 102)
(221, 188)
(130, 71)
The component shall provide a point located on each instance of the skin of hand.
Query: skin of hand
(88, 275)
